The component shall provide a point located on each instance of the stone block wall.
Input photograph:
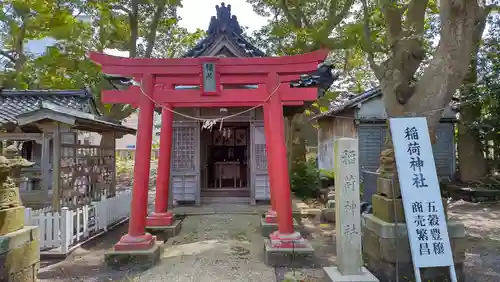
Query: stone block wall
(386, 246)
(19, 253)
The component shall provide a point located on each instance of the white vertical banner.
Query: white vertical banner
(424, 212)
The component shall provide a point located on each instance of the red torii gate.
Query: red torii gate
(159, 77)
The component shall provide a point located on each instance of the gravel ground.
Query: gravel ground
(214, 248)
(229, 248)
(322, 238)
(482, 222)
(482, 262)
(85, 264)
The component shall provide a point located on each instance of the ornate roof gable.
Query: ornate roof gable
(224, 37)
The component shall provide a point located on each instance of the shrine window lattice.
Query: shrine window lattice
(87, 171)
(260, 156)
(184, 144)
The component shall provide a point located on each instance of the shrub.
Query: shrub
(305, 178)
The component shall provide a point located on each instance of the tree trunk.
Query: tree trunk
(472, 162)
(449, 64)
(441, 78)
(19, 47)
(134, 28)
(150, 42)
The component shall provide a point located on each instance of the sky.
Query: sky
(197, 14)
(194, 13)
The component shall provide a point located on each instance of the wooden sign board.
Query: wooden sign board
(424, 213)
(210, 79)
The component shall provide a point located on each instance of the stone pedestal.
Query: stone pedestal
(383, 253)
(300, 256)
(332, 274)
(139, 259)
(20, 254)
(12, 219)
(386, 248)
(391, 210)
(163, 233)
(328, 213)
(268, 228)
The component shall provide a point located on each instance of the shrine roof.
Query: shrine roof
(349, 101)
(16, 103)
(341, 104)
(224, 37)
(78, 119)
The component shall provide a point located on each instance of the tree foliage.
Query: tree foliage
(418, 51)
(141, 28)
(485, 94)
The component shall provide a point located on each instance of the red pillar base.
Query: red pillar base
(271, 216)
(160, 219)
(135, 243)
(288, 241)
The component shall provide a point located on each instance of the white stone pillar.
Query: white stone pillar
(348, 215)
(347, 211)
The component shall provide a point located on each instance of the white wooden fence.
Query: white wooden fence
(62, 231)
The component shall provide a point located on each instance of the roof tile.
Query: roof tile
(14, 102)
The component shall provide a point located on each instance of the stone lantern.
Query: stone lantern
(20, 259)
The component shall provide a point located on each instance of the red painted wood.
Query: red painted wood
(141, 63)
(195, 95)
(265, 69)
(178, 80)
(244, 79)
(162, 70)
(163, 178)
(226, 79)
(298, 94)
(128, 96)
(278, 157)
(142, 164)
(193, 98)
(296, 69)
(161, 217)
(228, 105)
(271, 175)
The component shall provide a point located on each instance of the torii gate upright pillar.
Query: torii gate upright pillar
(137, 239)
(283, 240)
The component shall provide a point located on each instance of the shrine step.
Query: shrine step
(226, 192)
(224, 189)
(224, 200)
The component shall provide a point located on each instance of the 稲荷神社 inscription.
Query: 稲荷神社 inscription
(424, 212)
(348, 218)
